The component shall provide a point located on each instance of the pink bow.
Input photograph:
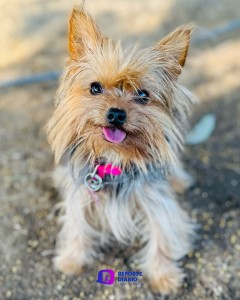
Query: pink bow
(102, 170)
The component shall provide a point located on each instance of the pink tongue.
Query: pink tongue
(114, 135)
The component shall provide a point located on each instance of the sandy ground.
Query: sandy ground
(33, 39)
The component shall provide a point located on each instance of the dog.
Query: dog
(117, 133)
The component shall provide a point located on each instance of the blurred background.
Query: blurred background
(33, 48)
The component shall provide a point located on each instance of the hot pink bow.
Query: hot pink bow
(102, 170)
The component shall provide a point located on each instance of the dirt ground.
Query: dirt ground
(33, 39)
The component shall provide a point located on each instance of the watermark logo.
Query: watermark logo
(130, 278)
(106, 276)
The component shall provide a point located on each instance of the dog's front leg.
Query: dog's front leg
(167, 231)
(77, 237)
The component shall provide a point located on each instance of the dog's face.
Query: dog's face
(122, 106)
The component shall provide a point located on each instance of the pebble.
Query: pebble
(233, 239)
(222, 224)
(206, 227)
(14, 269)
(33, 243)
(8, 294)
(81, 294)
(197, 191)
(197, 254)
(210, 221)
(63, 276)
(237, 247)
(234, 182)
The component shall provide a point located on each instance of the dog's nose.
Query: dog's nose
(116, 116)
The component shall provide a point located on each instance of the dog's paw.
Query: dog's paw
(67, 265)
(167, 282)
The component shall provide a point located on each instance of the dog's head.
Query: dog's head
(121, 106)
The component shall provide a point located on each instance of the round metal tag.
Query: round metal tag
(93, 182)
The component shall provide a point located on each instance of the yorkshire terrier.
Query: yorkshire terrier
(117, 132)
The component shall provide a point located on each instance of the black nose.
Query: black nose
(116, 116)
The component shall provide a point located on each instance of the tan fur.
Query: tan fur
(145, 205)
(176, 44)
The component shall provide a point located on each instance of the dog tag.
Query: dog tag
(93, 182)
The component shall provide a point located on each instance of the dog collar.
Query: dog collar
(95, 181)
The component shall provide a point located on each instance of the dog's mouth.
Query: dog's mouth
(114, 135)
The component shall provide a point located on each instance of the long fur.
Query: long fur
(140, 203)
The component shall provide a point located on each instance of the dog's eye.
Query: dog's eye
(96, 88)
(141, 96)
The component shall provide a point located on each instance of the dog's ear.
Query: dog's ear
(176, 44)
(84, 34)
